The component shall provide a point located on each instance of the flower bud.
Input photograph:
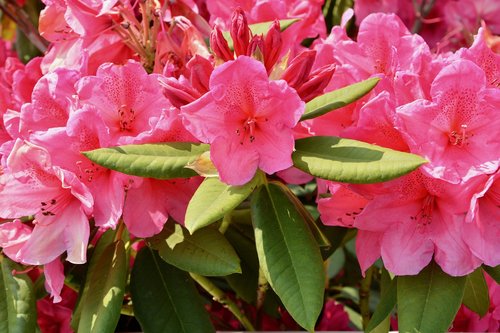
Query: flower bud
(178, 93)
(256, 47)
(200, 70)
(219, 45)
(317, 82)
(298, 71)
(240, 33)
(272, 45)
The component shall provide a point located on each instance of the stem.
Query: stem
(364, 296)
(421, 13)
(119, 231)
(226, 222)
(18, 15)
(219, 296)
(261, 297)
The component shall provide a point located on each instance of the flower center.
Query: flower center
(127, 116)
(247, 130)
(424, 215)
(459, 138)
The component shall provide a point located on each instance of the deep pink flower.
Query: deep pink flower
(458, 130)
(52, 318)
(469, 321)
(334, 318)
(247, 119)
(422, 218)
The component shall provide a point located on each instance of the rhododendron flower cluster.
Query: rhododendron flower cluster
(151, 139)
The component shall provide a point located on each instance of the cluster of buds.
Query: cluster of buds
(299, 73)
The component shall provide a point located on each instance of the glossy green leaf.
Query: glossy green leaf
(213, 199)
(494, 272)
(102, 303)
(104, 241)
(161, 160)
(429, 301)
(338, 98)
(260, 28)
(351, 161)
(17, 300)
(165, 298)
(288, 254)
(385, 306)
(205, 252)
(476, 296)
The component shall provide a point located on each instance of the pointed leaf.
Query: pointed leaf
(351, 161)
(260, 28)
(104, 241)
(338, 98)
(161, 161)
(476, 296)
(165, 299)
(206, 252)
(288, 254)
(494, 272)
(213, 199)
(384, 308)
(102, 304)
(429, 301)
(17, 300)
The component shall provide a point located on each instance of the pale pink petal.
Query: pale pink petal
(406, 249)
(367, 248)
(13, 235)
(145, 210)
(236, 163)
(342, 207)
(54, 279)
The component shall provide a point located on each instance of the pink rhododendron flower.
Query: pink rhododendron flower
(457, 130)
(482, 225)
(247, 119)
(128, 99)
(58, 200)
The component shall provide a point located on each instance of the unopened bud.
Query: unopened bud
(200, 70)
(272, 46)
(178, 93)
(317, 82)
(298, 71)
(255, 48)
(219, 45)
(240, 33)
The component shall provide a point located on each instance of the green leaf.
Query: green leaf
(494, 272)
(102, 303)
(242, 239)
(260, 28)
(429, 301)
(161, 161)
(338, 98)
(288, 254)
(476, 296)
(213, 199)
(206, 252)
(17, 300)
(165, 298)
(104, 241)
(351, 161)
(384, 308)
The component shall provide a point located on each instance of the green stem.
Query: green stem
(364, 296)
(219, 296)
(226, 222)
